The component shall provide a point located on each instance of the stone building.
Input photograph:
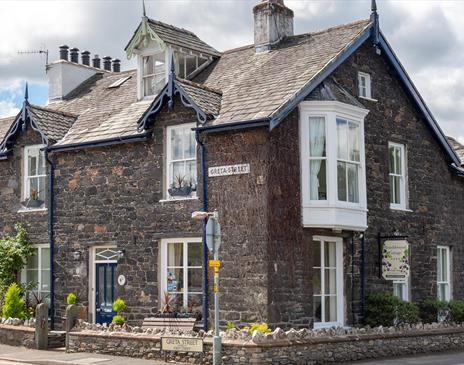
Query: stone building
(330, 175)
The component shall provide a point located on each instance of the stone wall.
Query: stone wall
(114, 195)
(279, 347)
(17, 336)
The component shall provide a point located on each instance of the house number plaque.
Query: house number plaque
(121, 280)
(229, 170)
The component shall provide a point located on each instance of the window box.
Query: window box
(333, 181)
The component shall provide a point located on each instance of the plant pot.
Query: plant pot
(33, 203)
(183, 191)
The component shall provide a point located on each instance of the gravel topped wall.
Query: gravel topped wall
(278, 347)
(17, 335)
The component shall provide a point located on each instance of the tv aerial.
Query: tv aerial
(42, 51)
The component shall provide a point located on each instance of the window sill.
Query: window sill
(400, 209)
(178, 199)
(368, 99)
(31, 210)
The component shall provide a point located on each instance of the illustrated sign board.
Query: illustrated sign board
(229, 170)
(182, 344)
(395, 260)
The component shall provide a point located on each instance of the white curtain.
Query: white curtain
(317, 144)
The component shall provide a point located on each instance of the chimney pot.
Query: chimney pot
(74, 52)
(273, 21)
(116, 65)
(96, 61)
(64, 52)
(85, 58)
(107, 63)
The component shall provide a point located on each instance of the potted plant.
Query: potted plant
(118, 307)
(34, 200)
(181, 186)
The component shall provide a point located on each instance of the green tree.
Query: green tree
(14, 305)
(14, 252)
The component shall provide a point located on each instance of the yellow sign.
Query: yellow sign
(214, 263)
(183, 344)
(215, 288)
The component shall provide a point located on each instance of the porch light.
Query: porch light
(120, 254)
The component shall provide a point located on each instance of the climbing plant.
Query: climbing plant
(14, 252)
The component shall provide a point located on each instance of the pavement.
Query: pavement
(446, 358)
(12, 355)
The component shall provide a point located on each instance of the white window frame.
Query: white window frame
(163, 267)
(39, 269)
(448, 282)
(169, 161)
(403, 176)
(315, 158)
(404, 289)
(28, 151)
(339, 282)
(331, 213)
(367, 87)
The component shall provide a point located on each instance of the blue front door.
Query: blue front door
(104, 296)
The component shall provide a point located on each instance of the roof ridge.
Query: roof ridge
(172, 26)
(50, 110)
(317, 32)
(200, 86)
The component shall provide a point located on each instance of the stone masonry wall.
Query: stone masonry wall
(17, 336)
(114, 196)
(297, 349)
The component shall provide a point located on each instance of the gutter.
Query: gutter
(99, 143)
(51, 237)
(204, 246)
(457, 169)
(246, 124)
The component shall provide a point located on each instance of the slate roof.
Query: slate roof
(207, 99)
(331, 90)
(54, 124)
(255, 85)
(458, 147)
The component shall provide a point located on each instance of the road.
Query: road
(453, 358)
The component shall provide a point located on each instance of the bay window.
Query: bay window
(182, 273)
(181, 162)
(34, 173)
(333, 165)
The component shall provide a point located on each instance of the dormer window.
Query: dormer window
(364, 85)
(187, 63)
(154, 73)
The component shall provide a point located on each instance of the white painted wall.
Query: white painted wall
(65, 76)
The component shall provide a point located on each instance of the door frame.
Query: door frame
(92, 277)
(339, 280)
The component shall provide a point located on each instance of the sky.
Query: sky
(427, 36)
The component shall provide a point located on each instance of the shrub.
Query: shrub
(118, 319)
(261, 327)
(406, 312)
(119, 305)
(71, 298)
(14, 305)
(431, 308)
(457, 310)
(380, 309)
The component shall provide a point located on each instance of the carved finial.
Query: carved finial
(144, 12)
(26, 93)
(374, 6)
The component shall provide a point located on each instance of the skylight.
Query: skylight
(119, 82)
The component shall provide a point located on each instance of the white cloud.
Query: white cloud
(8, 108)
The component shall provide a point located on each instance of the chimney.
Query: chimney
(96, 61)
(116, 65)
(74, 52)
(85, 58)
(64, 52)
(273, 22)
(107, 63)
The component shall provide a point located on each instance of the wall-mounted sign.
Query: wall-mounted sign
(121, 280)
(183, 344)
(395, 260)
(229, 170)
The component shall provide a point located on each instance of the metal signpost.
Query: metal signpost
(213, 241)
